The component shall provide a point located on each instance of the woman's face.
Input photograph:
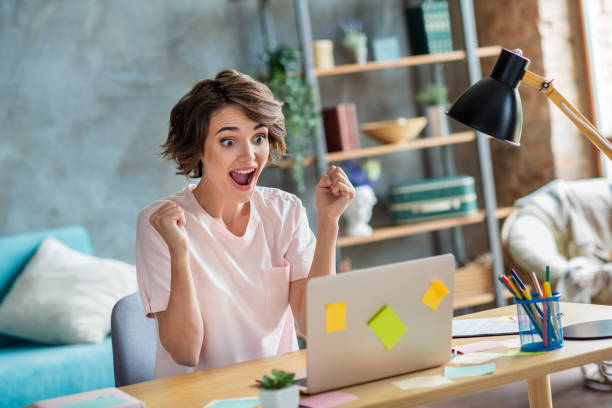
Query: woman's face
(236, 150)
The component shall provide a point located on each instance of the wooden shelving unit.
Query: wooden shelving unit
(401, 230)
(414, 60)
(379, 150)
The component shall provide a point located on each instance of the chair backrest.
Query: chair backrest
(134, 339)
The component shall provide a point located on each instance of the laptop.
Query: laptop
(355, 354)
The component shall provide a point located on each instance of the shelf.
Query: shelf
(424, 59)
(419, 143)
(402, 230)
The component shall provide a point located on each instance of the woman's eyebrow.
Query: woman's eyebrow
(235, 128)
(260, 125)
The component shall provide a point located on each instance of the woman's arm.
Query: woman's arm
(333, 195)
(181, 327)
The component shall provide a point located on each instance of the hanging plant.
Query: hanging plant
(284, 78)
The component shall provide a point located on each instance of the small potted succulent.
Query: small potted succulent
(434, 98)
(279, 390)
(355, 41)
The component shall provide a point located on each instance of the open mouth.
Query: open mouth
(242, 177)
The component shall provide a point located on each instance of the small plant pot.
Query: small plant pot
(359, 55)
(284, 398)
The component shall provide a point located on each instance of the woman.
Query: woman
(220, 263)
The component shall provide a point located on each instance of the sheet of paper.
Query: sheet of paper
(98, 402)
(387, 326)
(484, 327)
(434, 294)
(475, 358)
(234, 403)
(327, 399)
(513, 353)
(512, 343)
(421, 382)
(502, 319)
(468, 371)
(335, 316)
(478, 346)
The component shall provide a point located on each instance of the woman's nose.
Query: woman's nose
(248, 151)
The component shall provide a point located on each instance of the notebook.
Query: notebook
(354, 323)
(105, 397)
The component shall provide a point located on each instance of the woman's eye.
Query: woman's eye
(227, 142)
(259, 139)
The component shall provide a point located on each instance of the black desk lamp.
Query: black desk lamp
(493, 107)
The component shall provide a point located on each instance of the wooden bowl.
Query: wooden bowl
(394, 131)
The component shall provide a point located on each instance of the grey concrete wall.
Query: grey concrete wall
(87, 87)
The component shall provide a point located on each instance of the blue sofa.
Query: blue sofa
(32, 371)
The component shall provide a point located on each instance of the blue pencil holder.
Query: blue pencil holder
(539, 321)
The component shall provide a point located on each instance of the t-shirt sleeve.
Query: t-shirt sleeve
(152, 266)
(301, 245)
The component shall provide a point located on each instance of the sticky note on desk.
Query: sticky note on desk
(513, 353)
(327, 399)
(387, 326)
(234, 403)
(421, 382)
(335, 316)
(468, 371)
(434, 295)
(475, 358)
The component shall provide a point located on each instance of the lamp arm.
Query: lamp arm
(587, 128)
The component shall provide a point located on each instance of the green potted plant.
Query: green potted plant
(284, 77)
(434, 98)
(278, 391)
(355, 40)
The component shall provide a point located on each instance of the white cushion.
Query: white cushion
(63, 296)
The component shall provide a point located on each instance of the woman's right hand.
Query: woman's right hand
(169, 221)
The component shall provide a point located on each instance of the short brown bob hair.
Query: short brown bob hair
(190, 117)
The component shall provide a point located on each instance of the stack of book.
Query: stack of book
(341, 129)
(429, 28)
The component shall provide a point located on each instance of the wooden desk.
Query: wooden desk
(199, 388)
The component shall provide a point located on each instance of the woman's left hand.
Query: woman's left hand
(333, 195)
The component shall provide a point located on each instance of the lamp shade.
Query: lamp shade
(493, 105)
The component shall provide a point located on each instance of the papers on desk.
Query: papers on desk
(421, 382)
(468, 371)
(327, 399)
(496, 326)
(475, 358)
(478, 346)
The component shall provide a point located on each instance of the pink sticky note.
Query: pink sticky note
(327, 399)
(478, 346)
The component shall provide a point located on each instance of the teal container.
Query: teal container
(433, 198)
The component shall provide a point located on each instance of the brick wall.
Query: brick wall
(550, 146)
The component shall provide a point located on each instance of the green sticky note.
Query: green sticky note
(387, 326)
(519, 352)
(434, 295)
(335, 316)
(99, 402)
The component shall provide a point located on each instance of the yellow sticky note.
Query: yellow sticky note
(434, 295)
(335, 316)
(387, 326)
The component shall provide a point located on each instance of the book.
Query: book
(429, 28)
(102, 398)
(340, 125)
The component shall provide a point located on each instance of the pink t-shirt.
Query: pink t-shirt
(242, 282)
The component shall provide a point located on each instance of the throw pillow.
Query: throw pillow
(63, 296)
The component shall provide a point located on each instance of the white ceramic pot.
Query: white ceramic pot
(284, 398)
(359, 55)
(359, 211)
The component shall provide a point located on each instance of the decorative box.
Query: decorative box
(433, 198)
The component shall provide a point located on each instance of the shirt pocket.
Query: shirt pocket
(276, 289)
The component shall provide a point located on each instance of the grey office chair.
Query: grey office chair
(134, 339)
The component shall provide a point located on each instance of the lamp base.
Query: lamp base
(599, 329)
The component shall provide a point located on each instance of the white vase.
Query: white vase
(359, 211)
(437, 120)
(359, 55)
(288, 397)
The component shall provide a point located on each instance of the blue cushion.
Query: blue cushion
(31, 371)
(16, 250)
